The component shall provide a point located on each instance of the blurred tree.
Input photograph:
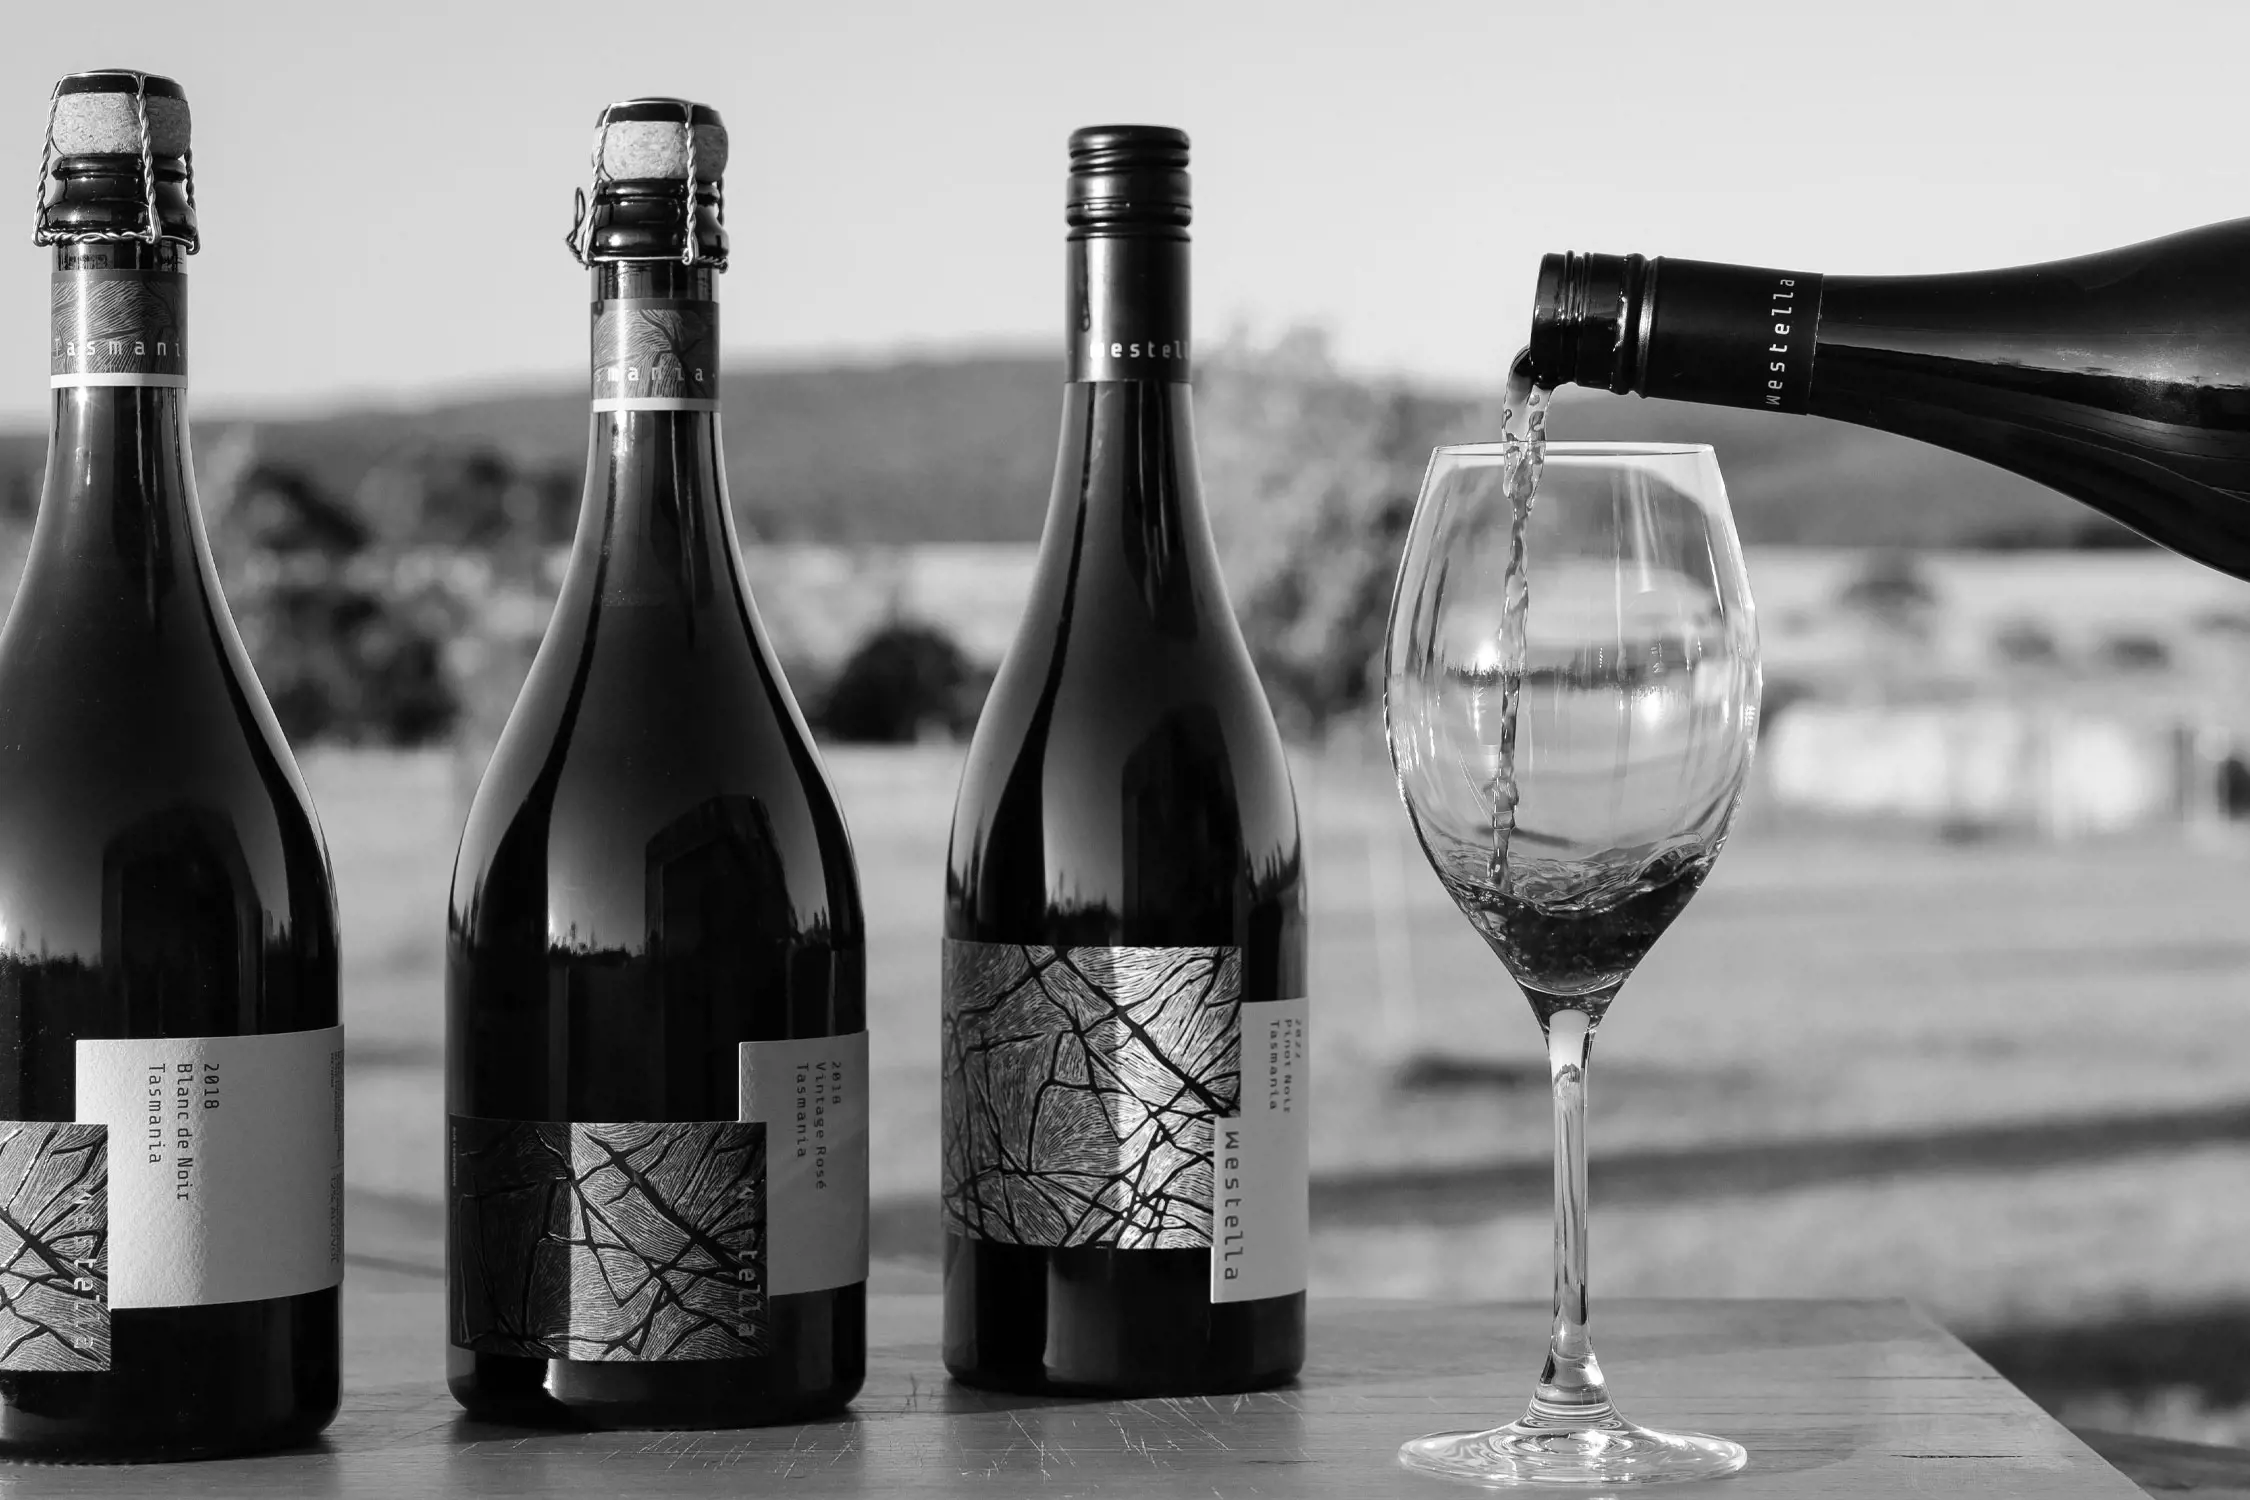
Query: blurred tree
(448, 496)
(1782, 692)
(19, 497)
(348, 646)
(1895, 604)
(276, 508)
(1892, 588)
(903, 683)
(1311, 478)
(2134, 651)
(2026, 643)
(2222, 622)
(342, 663)
(2099, 533)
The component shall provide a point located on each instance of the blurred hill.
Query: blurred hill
(962, 449)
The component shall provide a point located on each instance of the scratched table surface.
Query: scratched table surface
(1831, 1398)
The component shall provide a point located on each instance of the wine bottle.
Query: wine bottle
(2121, 379)
(171, 1068)
(656, 1043)
(1124, 1012)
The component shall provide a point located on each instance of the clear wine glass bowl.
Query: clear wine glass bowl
(1571, 696)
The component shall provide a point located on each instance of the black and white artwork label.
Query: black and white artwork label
(54, 1246)
(1096, 1097)
(609, 1241)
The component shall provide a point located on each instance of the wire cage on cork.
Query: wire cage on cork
(116, 162)
(657, 190)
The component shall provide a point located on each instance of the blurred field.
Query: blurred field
(2008, 1080)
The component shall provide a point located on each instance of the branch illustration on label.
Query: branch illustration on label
(118, 327)
(54, 1246)
(1081, 1088)
(656, 354)
(609, 1242)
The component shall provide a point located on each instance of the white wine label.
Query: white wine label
(608, 1242)
(118, 327)
(54, 1239)
(226, 1164)
(1260, 1243)
(1085, 1090)
(811, 1095)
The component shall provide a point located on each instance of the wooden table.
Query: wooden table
(1858, 1399)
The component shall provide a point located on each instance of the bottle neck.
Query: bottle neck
(118, 485)
(654, 527)
(1126, 313)
(1126, 524)
(1126, 532)
(1683, 330)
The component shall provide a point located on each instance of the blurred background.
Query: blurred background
(1964, 1014)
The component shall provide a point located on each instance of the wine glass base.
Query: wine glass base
(1608, 1453)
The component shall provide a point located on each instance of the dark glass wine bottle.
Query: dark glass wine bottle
(656, 1046)
(1124, 1003)
(2121, 379)
(171, 1068)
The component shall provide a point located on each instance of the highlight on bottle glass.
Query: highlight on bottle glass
(1571, 696)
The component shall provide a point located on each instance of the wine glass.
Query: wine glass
(1571, 695)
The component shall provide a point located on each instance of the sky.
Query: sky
(384, 188)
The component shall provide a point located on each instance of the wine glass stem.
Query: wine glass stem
(1571, 1386)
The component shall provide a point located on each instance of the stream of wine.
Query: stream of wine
(1523, 426)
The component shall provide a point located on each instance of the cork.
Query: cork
(90, 123)
(635, 146)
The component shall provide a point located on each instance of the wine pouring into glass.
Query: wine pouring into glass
(1571, 695)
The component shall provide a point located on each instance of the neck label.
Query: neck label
(1128, 313)
(656, 354)
(1732, 335)
(118, 327)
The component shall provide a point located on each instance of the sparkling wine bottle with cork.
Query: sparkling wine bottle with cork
(171, 1068)
(656, 1051)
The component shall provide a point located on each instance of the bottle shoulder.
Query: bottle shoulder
(1146, 784)
(622, 758)
(126, 808)
(161, 712)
